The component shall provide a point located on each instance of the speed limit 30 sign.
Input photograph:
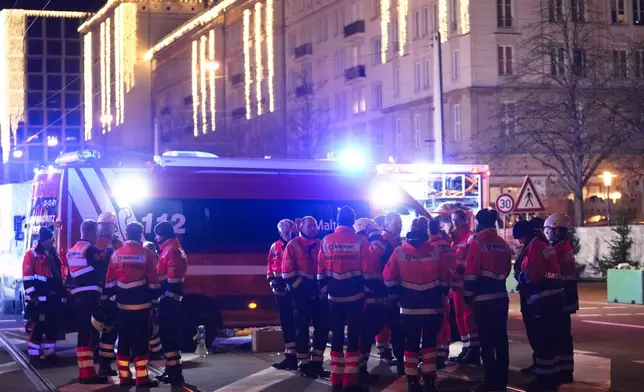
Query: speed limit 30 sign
(505, 203)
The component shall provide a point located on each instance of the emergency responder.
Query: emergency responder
(462, 236)
(440, 240)
(418, 273)
(154, 344)
(393, 329)
(543, 289)
(299, 267)
(373, 318)
(488, 264)
(524, 233)
(556, 229)
(343, 271)
(43, 283)
(85, 286)
(283, 297)
(171, 270)
(132, 282)
(107, 243)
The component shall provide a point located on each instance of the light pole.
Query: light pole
(608, 181)
(438, 122)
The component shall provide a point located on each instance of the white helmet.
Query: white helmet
(364, 224)
(107, 217)
(558, 220)
(285, 226)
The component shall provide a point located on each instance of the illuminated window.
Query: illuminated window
(617, 11)
(456, 113)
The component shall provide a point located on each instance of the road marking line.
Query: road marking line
(589, 315)
(640, 362)
(582, 352)
(8, 321)
(614, 324)
(8, 367)
(615, 307)
(258, 382)
(593, 308)
(619, 314)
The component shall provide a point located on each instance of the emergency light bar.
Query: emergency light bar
(77, 157)
(189, 154)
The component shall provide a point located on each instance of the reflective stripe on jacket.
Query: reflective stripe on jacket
(540, 277)
(343, 265)
(568, 268)
(172, 268)
(85, 267)
(275, 256)
(420, 275)
(461, 239)
(488, 264)
(299, 265)
(132, 277)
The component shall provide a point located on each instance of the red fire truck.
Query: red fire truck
(224, 210)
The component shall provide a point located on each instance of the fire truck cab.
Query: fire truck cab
(224, 210)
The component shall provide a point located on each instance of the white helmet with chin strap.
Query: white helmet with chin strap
(558, 220)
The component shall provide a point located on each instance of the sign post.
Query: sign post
(504, 204)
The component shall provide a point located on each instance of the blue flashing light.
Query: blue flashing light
(353, 159)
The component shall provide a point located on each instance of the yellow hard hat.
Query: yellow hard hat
(107, 217)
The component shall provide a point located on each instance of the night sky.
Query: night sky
(67, 5)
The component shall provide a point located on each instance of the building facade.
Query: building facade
(117, 80)
(40, 89)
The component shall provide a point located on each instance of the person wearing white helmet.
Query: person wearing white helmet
(283, 297)
(556, 229)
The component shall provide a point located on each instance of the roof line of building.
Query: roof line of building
(108, 6)
(196, 22)
(48, 14)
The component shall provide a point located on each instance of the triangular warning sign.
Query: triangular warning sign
(528, 200)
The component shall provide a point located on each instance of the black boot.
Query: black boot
(93, 380)
(429, 384)
(529, 370)
(288, 363)
(440, 362)
(473, 356)
(565, 378)
(364, 375)
(320, 370)
(307, 370)
(413, 385)
(460, 356)
(400, 368)
(386, 356)
(149, 383)
(105, 369)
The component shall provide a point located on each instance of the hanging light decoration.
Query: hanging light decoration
(385, 19)
(247, 75)
(271, 56)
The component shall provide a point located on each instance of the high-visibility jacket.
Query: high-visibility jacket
(540, 277)
(461, 239)
(132, 277)
(489, 261)
(85, 266)
(38, 276)
(379, 252)
(299, 265)
(444, 246)
(420, 275)
(275, 256)
(568, 268)
(393, 240)
(172, 268)
(343, 265)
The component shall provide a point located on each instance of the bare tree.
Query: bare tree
(308, 117)
(565, 101)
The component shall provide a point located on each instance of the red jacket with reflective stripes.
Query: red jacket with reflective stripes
(461, 239)
(540, 277)
(489, 261)
(420, 274)
(343, 265)
(379, 249)
(172, 268)
(299, 265)
(275, 256)
(566, 258)
(393, 240)
(85, 267)
(132, 277)
(440, 241)
(36, 275)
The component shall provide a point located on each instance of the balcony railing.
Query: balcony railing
(355, 72)
(303, 50)
(354, 28)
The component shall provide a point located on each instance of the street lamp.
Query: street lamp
(608, 181)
